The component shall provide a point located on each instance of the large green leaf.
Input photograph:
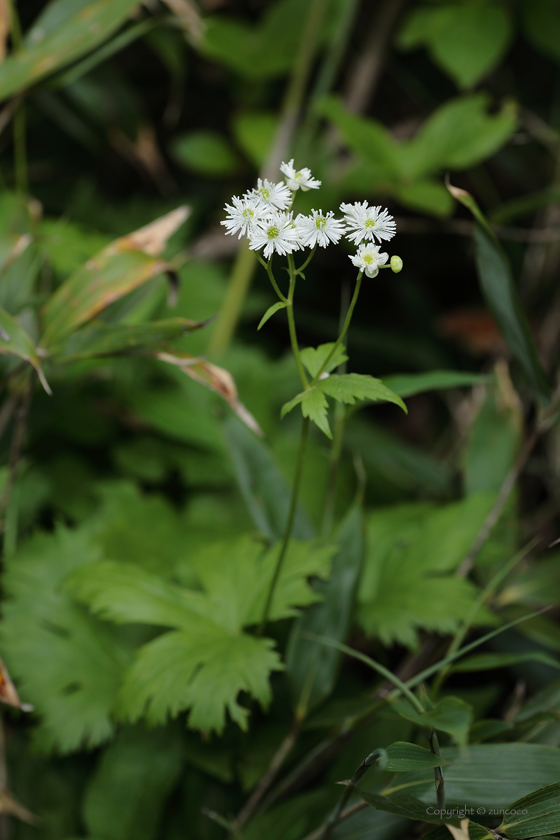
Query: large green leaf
(503, 300)
(75, 35)
(458, 135)
(100, 339)
(408, 579)
(119, 268)
(541, 19)
(450, 714)
(467, 40)
(486, 775)
(533, 815)
(126, 796)
(405, 805)
(205, 662)
(312, 671)
(68, 664)
(402, 757)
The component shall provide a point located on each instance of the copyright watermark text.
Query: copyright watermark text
(470, 812)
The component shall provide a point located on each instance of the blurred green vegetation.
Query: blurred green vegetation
(141, 517)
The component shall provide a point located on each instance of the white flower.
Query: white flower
(276, 233)
(369, 259)
(244, 213)
(369, 223)
(319, 229)
(300, 178)
(273, 196)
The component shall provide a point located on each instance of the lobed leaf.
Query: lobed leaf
(313, 358)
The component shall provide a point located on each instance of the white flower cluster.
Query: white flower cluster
(263, 215)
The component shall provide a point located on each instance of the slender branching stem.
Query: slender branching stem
(292, 323)
(271, 277)
(289, 524)
(307, 261)
(347, 320)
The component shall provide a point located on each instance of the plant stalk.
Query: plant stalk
(348, 318)
(289, 524)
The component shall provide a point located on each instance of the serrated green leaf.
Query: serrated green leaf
(76, 34)
(533, 815)
(270, 312)
(68, 664)
(208, 655)
(313, 358)
(405, 584)
(313, 405)
(408, 384)
(402, 757)
(451, 715)
(126, 795)
(349, 387)
(201, 671)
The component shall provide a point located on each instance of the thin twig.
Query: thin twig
(368, 68)
(494, 515)
(345, 815)
(267, 780)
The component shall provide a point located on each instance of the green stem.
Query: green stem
(344, 328)
(289, 524)
(486, 593)
(271, 277)
(242, 274)
(20, 151)
(307, 261)
(291, 322)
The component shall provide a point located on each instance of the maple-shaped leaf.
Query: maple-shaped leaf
(345, 388)
(65, 662)
(206, 659)
(408, 581)
(314, 358)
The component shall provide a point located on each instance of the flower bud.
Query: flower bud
(396, 264)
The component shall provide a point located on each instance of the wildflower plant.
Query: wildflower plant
(265, 217)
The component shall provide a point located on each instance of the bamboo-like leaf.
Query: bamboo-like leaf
(76, 35)
(503, 300)
(216, 378)
(533, 815)
(270, 312)
(402, 757)
(312, 673)
(119, 268)
(100, 339)
(408, 384)
(16, 342)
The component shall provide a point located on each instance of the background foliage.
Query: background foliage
(141, 517)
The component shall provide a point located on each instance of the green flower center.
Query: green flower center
(298, 175)
(272, 232)
(265, 193)
(248, 213)
(320, 222)
(370, 223)
(368, 258)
